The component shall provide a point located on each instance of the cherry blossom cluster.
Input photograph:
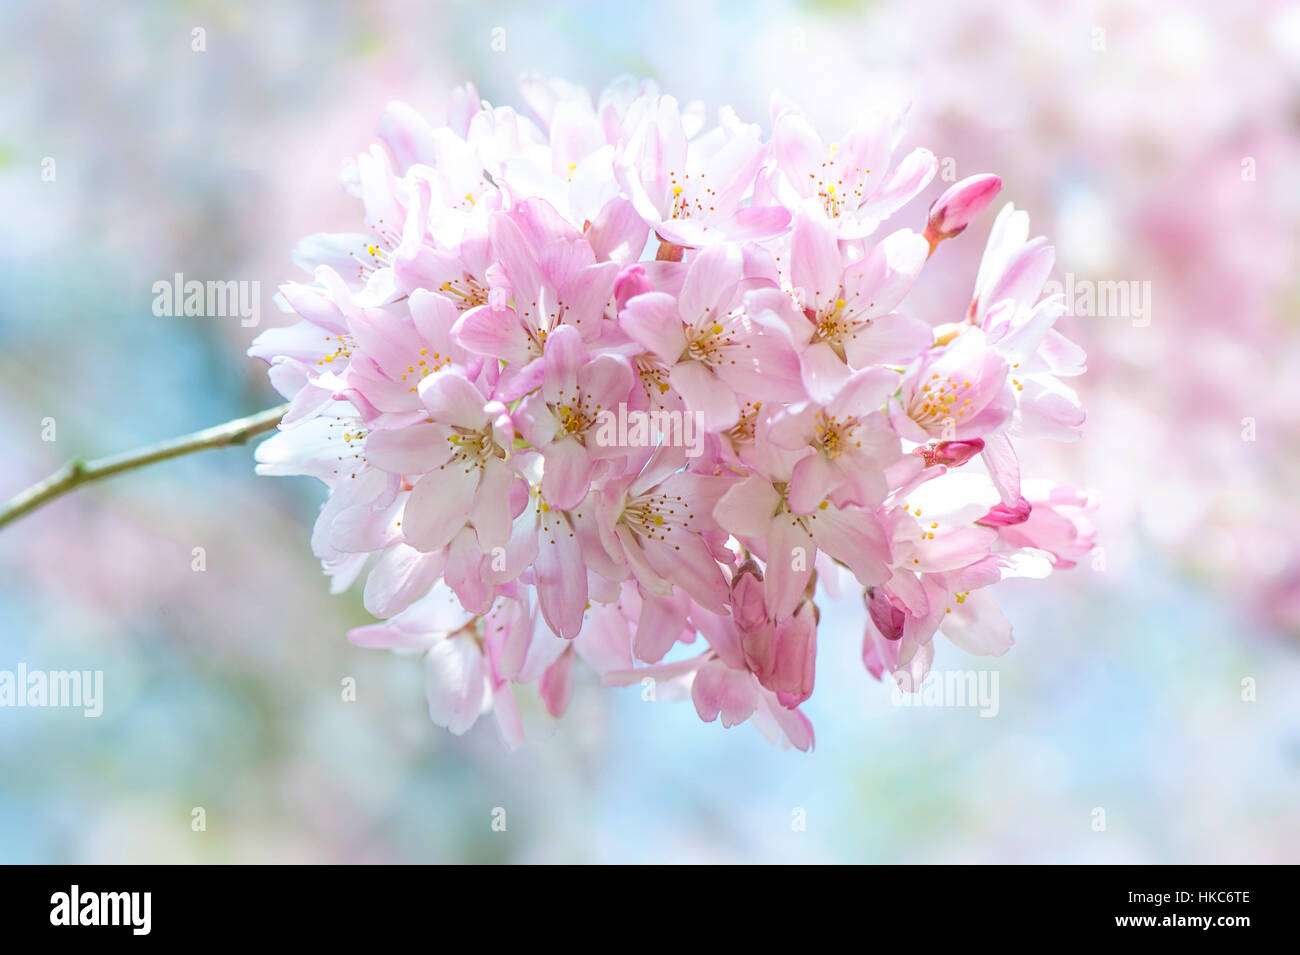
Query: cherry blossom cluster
(614, 387)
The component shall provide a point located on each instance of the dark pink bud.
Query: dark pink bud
(631, 282)
(748, 608)
(951, 453)
(794, 660)
(888, 619)
(958, 207)
(1000, 515)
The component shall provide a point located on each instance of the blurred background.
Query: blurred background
(1154, 142)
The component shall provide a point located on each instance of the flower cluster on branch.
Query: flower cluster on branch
(614, 386)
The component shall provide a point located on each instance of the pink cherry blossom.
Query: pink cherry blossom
(804, 434)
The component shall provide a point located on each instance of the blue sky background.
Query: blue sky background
(1124, 692)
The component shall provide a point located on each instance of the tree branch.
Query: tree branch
(77, 472)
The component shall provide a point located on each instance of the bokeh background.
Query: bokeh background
(1153, 141)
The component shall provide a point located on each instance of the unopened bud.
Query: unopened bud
(1000, 515)
(958, 207)
(888, 619)
(950, 453)
(631, 282)
(747, 606)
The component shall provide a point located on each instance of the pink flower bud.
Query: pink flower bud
(747, 604)
(782, 656)
(794, 660)
(1000, 515)
(631, 282)
(951, 453)
(888, 619)
(956, 208)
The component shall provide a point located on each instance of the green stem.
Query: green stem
(78, 472)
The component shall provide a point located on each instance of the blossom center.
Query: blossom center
(653, 516)
(425, 365)
(937, 401)
(466, 292)
(834, 435)
(473, 449)
(343, 345)
(706, 344)
(690, 198)
(352, 455)
(831, 325)
(829, 185)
